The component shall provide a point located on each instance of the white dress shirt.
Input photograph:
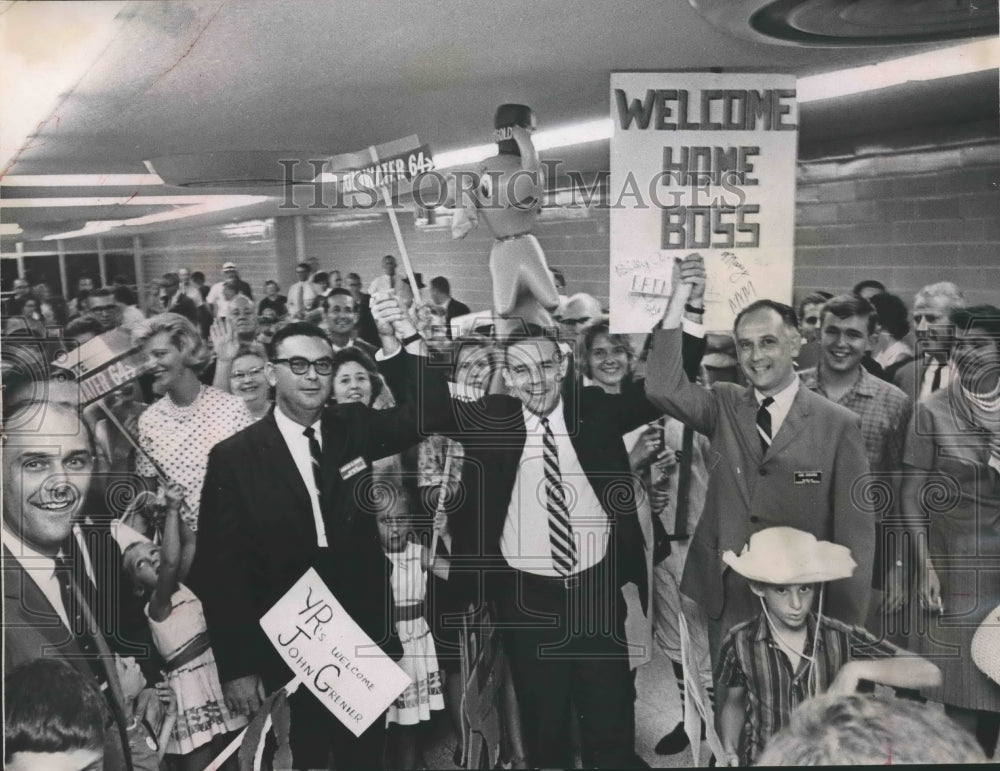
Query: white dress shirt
(298, 446)
(524, 542)
(300, 290)
(781, 405)
(41, 569)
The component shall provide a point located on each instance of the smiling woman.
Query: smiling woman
(177, 431)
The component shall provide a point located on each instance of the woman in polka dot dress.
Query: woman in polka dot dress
(177, 431)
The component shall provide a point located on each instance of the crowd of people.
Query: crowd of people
(789, 513)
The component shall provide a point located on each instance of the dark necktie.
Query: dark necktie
(938, 370)
(317, 457)
(73, 603)
(684, 485)
(764, 423)
(564, 556)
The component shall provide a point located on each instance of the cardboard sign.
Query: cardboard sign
(332, 655)
(397, 168)
(701, 163)
(104, 364)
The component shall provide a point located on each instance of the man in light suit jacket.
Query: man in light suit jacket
(801, 473)
(266, 517)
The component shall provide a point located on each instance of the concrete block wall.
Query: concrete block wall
(905, 217)
(576, 243)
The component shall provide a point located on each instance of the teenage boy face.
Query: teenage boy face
(790, 604)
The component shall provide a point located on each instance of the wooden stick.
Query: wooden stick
(290, 687)
(442, 494)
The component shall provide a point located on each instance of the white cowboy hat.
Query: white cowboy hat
(784, 555)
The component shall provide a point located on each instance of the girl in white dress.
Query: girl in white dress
(180, 635)
(410, 563)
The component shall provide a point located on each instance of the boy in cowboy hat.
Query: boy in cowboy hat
(769, 665)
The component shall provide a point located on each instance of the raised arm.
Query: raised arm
(170, 555)
(667, 383)
(427, 400)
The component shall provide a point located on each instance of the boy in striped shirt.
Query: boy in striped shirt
(769, 665)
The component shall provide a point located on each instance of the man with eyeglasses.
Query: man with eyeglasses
(283, 496)
(101, 307)
(581, 311)
(931, 370)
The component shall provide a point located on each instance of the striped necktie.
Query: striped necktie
(764, 423)
(564, 556)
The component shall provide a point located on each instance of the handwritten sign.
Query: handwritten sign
(323, 645)
(701, 163)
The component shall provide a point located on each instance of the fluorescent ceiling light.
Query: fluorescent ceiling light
(213, 204)
(550, 139)
(943, 63)
(71, 36)
(131, 200)
(80, 180)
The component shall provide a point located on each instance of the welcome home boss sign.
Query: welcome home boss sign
(701, 162)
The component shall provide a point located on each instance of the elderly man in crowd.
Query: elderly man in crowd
(931, 370)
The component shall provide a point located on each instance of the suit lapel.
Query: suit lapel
(793, 423)
(280, 464)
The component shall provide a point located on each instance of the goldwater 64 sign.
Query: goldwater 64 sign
(701, 162)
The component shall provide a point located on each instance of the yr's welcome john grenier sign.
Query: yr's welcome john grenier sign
(701, 163)
(332, 655)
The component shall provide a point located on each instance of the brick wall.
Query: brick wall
(904, 217)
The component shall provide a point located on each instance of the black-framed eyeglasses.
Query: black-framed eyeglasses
(299, 365)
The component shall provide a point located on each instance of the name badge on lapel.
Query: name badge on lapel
(808, 477)
(353, 468)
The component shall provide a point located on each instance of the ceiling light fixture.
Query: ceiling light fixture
(81, 180)
(213, 204)
(944, 63)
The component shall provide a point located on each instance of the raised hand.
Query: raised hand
(386, 310)
(692, 272)
(224, 340)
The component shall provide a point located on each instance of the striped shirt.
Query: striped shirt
(751, 659)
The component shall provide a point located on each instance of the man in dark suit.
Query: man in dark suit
(548, 528)
(52, 607)
(267, 516)
(441, 295)
(341, 317)
(784, 456)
